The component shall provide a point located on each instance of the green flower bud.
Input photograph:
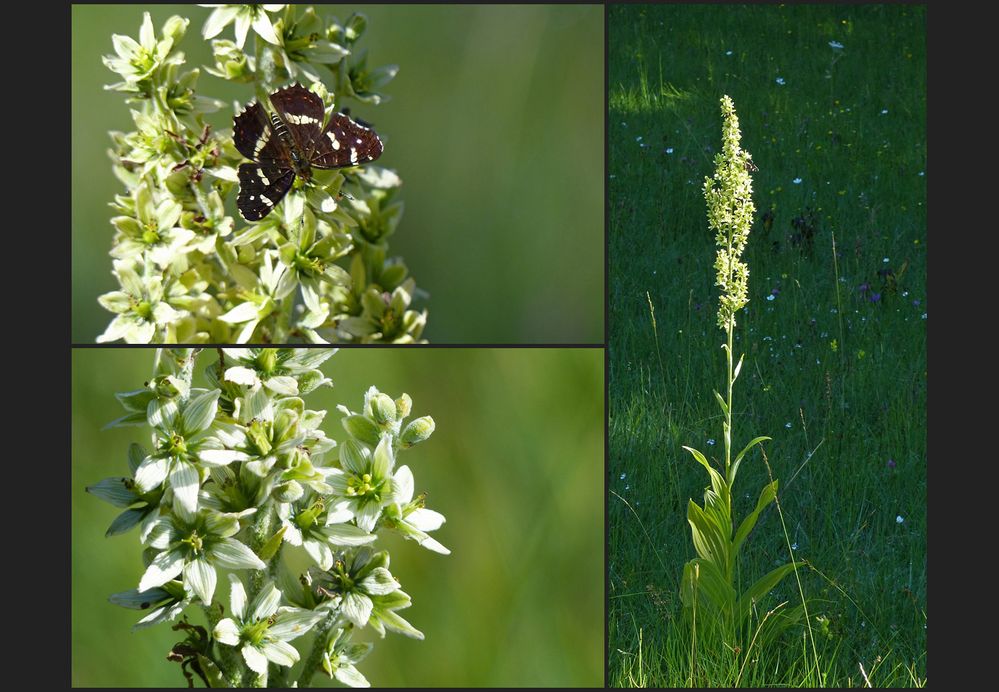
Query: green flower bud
(175, 28)
(403, 406)
(383, 409)
(417, 431)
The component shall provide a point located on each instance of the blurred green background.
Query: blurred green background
(516, 466)
(496, 126)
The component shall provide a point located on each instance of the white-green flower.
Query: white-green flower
(263, 631)
(244, 16)
(260, 295)
(340, 656)
(364, 485)
(284, 371)
(367, 593)
(138, 60)
(153, 231)
(410, 518)
(318, 529)
(184, 444)
(195, 548)
(142, 306)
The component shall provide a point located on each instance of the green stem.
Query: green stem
(318, 647)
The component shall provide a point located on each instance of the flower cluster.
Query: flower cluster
(317, 269)
(729, 195)
(240, 474)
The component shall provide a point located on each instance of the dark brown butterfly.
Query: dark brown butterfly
(750, 166)
(292, 141)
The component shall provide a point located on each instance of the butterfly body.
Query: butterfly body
(291, 142)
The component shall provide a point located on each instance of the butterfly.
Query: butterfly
(750, 166)
(292, 141)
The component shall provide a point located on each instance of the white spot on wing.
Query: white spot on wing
(334, 140)
(301, 119)
(262, 142)
(353, 155)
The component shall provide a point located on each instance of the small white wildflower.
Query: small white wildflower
(669, 150)
(899, 519)
(794, 546)
(796, 181)
(771, 296)
(886, 260)
(780, 81)
(835, 45)
(788, 425)
(728, 52)
(884, 111)
(623, 475)
(711, 441)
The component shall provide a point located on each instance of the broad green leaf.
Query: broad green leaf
(763, 586)
(707, 581)
(708, 537)
(767, 496)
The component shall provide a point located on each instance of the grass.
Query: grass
(837, 378)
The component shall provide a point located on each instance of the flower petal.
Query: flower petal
(200, 412)
(347, 534)
(185, 481)
(403, 485)
(255, 659)
(200, 577)
(162, 569)
(383, 458)
(151, 473)
(356, 607)
(242, 375)
(279, 652)
(266, 602)
(425, 519)
(231, 554)
(218, 20)
(294, 622)
(237, 597)
(227, 632)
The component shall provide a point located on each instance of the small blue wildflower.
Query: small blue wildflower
(836, 45)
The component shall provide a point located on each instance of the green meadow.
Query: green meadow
(832, 107)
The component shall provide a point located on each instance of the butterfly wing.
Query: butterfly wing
(254, 137)
(261, 187)
(345, 142)
(302, 112)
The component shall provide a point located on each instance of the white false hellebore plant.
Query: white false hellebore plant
(238, 471)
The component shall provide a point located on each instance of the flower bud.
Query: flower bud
(417, 431)
(383, 409)
(403, 406)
